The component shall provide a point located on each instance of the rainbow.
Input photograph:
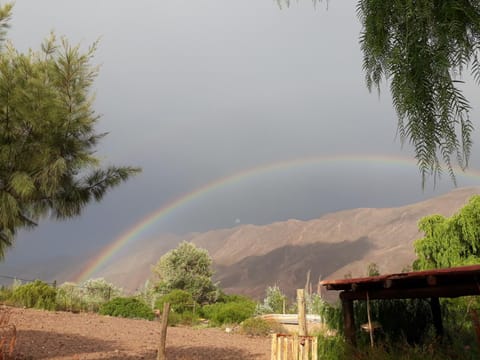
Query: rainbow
(135, 231)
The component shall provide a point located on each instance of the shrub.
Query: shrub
(273, 303)
(260, 327)
(181, 301)
(332, 348)
(409, 319)
(69, 298)
(186, 318)
(229, 313)
(5, 294)
(95, 292)
(148, 294)
(128, 308)
(37, 294)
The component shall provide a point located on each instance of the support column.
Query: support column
(349, 321)
(436, 315)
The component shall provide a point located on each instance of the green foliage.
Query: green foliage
(47, 134)
(127, 307)
(95, 292)
(257, 326)
(373, 270)
(333, 348)
(37, 294)
(69, 298)
(187, 318)
(424, 47)
(187, 268)
(331, 315)
(230, 312)
(450, 241)
(6, 294)
(408, 319)
(180, 301)
(274, 301)
(148, 294)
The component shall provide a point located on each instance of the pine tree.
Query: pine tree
(47, 134)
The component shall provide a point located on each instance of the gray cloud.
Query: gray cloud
(195, 91)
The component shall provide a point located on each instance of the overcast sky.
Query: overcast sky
(193, 91)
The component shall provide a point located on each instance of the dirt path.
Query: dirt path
(59, 335)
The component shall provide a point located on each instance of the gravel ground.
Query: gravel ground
(62, 335)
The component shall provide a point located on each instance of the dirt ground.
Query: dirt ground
(61, 335)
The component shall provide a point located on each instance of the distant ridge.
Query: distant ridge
(248, 258)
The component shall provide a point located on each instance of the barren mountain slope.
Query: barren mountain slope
(248, 257)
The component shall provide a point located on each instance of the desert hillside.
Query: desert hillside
(248, 258)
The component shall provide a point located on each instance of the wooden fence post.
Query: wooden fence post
(273, 353)
(302, 318)
(163, 332)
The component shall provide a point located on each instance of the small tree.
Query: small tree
(187, 268)
(69, 297)
(373, 270)
(96, 292)
(274, 301)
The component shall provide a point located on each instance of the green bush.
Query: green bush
(229, 313)
(95, 292)
(37, 294)
(186, 318)
(332, 348)
(128, 308)
(181, 301)
(69, 298)
(6, 295)
(401, 319)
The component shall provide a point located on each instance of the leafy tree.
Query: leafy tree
(47, 135)
(373, 270)
(423, 48)
(450, 241)
(69, 297)
(148, 294)
(274, 301)
(95, 292)
(187, 268)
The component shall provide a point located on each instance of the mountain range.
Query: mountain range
(248, 258)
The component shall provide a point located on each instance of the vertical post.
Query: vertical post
(163, 332)
(315, 348)
(349, 321)
(295, 346)
(273, 353)
(370, 327)
(436, 315)
(286, 343)
(302, 319)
